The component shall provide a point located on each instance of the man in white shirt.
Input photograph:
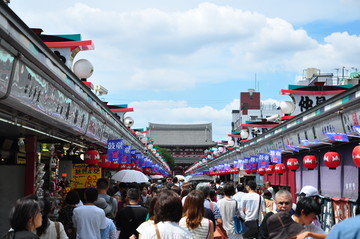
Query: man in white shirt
(252, 206)
(240, 192)
(228, 210)
(89, 219)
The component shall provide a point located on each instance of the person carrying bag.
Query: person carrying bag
(239, 224)
(252, 227)
(252, 207)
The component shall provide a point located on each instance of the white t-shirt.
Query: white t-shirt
(168, 230)
(88, 220)
(51, 233)
(250, 206)
(227, 207)
(144, 225)
(238, 196)
(313, 228)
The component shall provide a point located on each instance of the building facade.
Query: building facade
(185, 142)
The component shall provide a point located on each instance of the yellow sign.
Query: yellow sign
(84, 176)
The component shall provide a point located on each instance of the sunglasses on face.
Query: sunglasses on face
(283, 203)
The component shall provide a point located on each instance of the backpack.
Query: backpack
(111, 214)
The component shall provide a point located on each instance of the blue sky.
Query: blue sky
(187, 61)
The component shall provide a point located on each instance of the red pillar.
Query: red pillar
(30, 166)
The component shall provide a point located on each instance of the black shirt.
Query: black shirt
(130, 218)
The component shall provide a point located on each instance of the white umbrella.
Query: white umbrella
(205, 178)
(130, 176)
(156, 176)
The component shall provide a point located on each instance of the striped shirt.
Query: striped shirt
(201, 232)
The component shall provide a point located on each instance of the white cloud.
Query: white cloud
(196, 44)
(178, 112)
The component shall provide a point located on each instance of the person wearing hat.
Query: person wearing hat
(310, 191)
(306, 211)
(110, 231)
(282, 226)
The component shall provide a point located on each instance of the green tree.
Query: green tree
(167, 157)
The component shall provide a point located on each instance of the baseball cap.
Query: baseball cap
(101, 203)
(309, 191)
(282, 226)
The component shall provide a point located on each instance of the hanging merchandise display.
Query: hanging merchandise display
(280, 168)
(91, 157)
(332, 159)
(310, 162)
(293, 164)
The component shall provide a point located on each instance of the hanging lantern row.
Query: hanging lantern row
(270, 170)
(332, 159)
(92, 157)
(104, 163)
(293, 164)
(280, 168)
(261, 171)
(356, 155)
(310, 161)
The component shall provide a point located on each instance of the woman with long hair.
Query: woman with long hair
(65, 215)
(25, 217)
(167, 213)
(193, 216)
(49, 229)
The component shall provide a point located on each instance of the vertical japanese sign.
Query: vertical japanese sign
(264, 160)
(275, 155)
(254, 162)
(115, 150)
(84, 176)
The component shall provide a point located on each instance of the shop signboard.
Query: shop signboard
(6, 64)
(84, 176)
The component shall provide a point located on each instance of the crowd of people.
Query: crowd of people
(170, 209)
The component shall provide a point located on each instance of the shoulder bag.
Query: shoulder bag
(239, 224)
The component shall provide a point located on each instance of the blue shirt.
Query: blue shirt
(349, 229)
(110, 228)
(215, 210)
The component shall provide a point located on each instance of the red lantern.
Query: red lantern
(280, 168)
(332, 159)
(293, 164)
(310, 162)
(92, 157)
(270, 170)
(261, 171)
(248, 171)
(114, 165)
(356, 155)
(104, 163)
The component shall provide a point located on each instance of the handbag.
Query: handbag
(239, 225)
(252, 227)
